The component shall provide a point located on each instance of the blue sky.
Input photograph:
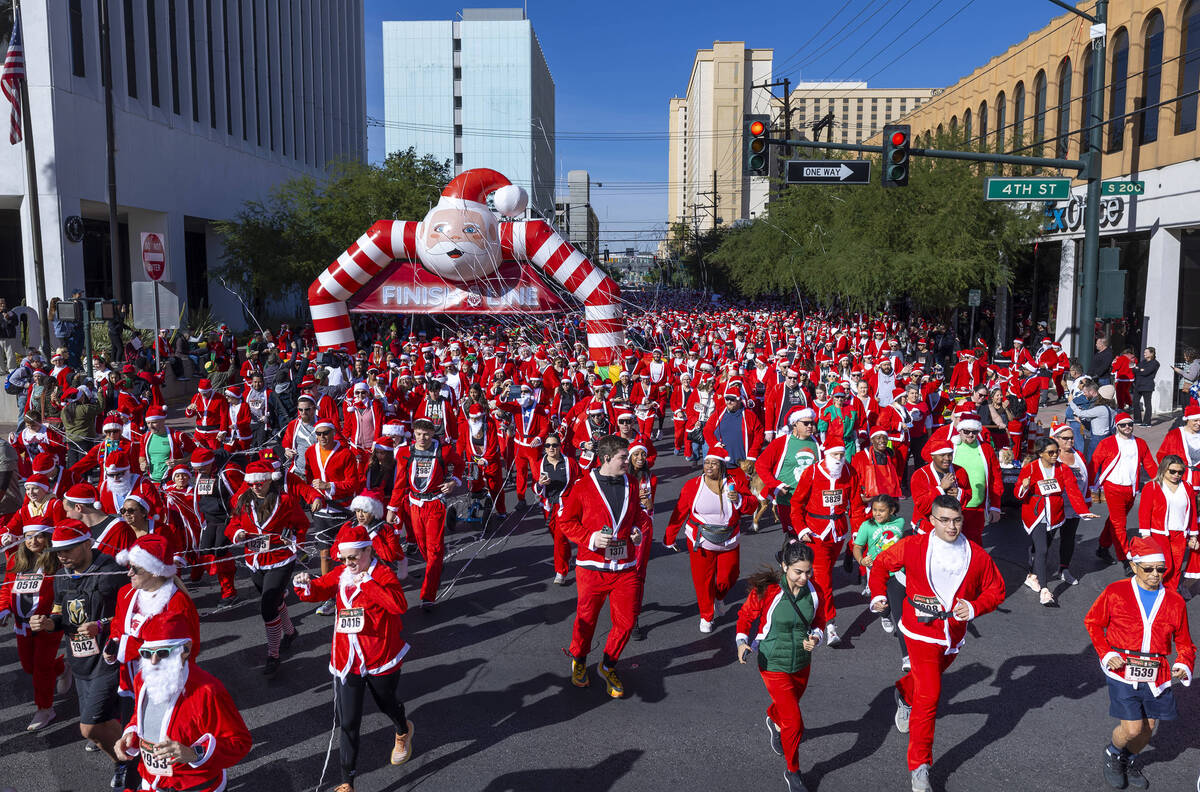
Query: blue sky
(616, 63)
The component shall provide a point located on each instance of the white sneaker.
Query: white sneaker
(705, 625)
(41, 719)
(903, 713)
(1047, 598)
(327, 608)
(1032, 583)
(920, 779)
(560, 579)
(1069, 578)
(887, 625)
(905, 664)
(831, 636)
(64, 681)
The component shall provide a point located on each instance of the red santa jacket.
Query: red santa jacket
(1107, 454)
(49, 514)
(1176, 443)
(97, 457)
(1041, 494)
(1119, 627)
(34, 597)
(272, 541)
(774, 412)
(820, 504)
(528, 434)
(362, 426)
(446, 466)
(339, 469)
(979, 584)
(685, 518)
(585, 512)
(1152, 511)
(874, 479)
(203, 714)
(378, 645)
(925, 485)
(236, 424)
(134, 612)
(758, 608)
(769, 464)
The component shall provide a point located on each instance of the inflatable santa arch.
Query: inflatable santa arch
(462, 242)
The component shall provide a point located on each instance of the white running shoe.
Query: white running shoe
(866, 592)
(41, 719)
(327, 608)
(1032, 583)
(905, 664)
(831, 636)
(1069, 578)
(705, 625)
(887, 625)
(920, 779)
(903, 712)
(560, 579)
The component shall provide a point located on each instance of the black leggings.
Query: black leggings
(1039, 545)
(272, 584)
(1066, 542)
(1142, 411)
(895, 598)
(213, 535)
(348, 701)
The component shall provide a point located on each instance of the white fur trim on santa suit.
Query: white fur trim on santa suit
(138, 499)
(1149, 557)
(136, 556)
(970, 426)
(112, 425)
(344, 546)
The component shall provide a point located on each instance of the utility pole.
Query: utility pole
(114, 240)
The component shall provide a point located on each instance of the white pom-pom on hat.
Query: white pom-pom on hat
(510, 200)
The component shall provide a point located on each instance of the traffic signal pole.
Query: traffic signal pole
(1091, 213)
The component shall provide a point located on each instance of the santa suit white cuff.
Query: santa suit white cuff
(1104, 661)
(742, 638)
(210, 744)
(1187, 673)
(881, 599)
(805, 535)
(592, 541)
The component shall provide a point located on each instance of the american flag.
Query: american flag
(10, 79)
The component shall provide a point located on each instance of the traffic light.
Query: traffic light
(757, 127)
(895, 155)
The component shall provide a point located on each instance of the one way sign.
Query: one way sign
(828, 172)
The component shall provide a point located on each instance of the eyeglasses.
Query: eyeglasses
(112, 431)
(1175, 472)
(160, 654)
(553, 445)
(135, 570)
(1156, 570)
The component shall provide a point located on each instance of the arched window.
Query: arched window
(1019, 111)
(1189, 69)
(1085, 119)
(983, 125)
(967, 126)
(953, 126)
(1039, 107)
(941, 130)
(1116, 101)
(1000, 111)
(1063, 139)
(1152, 78)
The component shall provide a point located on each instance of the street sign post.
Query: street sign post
(1004, 189)
(973, 297)
(828, 172)
(155, 261)
(1123, 188)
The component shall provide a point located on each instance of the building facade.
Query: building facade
(858, 111)
(1033, 98)
(706, 182)
(215, 102)
(575, 218)
(475, 91)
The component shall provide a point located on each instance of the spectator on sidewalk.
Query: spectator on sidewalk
(10, 345)
(1143, 386)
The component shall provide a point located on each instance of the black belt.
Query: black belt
(1137, 653)
(923, 614)
(824, 516)
(425, 496)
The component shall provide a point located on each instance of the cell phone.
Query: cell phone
(112, 646)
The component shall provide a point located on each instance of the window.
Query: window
(78, 65)
(967, 127)
(1019, 112)
(953, 126)
(173, 29)
(1063, 142)
(1039, 107)
(1152, 78)
(1085, 119)
(1189, 69)
(152, 27)
(192, 58)
(1000, 111)
(1118, 81)
(225, 56)
(130, 51)
(983, 124)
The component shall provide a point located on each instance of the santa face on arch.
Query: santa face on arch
(459, 239)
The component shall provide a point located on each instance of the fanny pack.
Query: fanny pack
(717, 534)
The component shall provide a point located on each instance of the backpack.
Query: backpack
(10, 387)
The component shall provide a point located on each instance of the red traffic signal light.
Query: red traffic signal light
(757, 128)
(898, 138)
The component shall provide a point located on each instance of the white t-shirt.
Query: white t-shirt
(1125, 471)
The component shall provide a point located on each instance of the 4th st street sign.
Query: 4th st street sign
(828, 172)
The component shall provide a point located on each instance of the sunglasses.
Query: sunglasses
(323, 434)
(1156, 570)
(552, 445)
(1175, 472)
(127, 511)
(969, 431)
(625, 422)
(808, 423)
(161, 654)
(1049, 452)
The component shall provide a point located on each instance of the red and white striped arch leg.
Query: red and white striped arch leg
(534, 241)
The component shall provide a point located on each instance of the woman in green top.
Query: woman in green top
(791, 619)
(881, 531)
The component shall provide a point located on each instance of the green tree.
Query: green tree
(279, 245)
(863, 246)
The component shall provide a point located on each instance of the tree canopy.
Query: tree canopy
(276, 246)
(930, 241)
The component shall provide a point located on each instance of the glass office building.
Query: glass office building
(474, 91)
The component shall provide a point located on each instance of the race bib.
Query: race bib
(205, 486)
(1049, 486)
(831, 499)
(258, 544)
(1140, 669)
(616, 550)
(350, 620)
(424, 467)
(84, 646)
(156, 765)
(27, 583)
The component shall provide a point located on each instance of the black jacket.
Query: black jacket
(1143, 376)
(87, 598)
(1102, 364)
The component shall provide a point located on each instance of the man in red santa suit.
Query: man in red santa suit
(603, 515)
(821, 503)
(185, 728)
(332, 469)
(1118, 461)
(368, 642)
(1133, 625)
(682, 397)
(362, 421)
(940, 477)
(531, 425)
(781, 401)
(949, 581)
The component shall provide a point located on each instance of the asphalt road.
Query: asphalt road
(1023, 708)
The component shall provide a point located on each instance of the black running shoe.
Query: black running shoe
(1114, 770)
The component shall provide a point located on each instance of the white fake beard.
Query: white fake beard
(835, 468)
(152, 603)
(164, 680)
(474, 263)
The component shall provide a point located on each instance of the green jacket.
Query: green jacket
(781, 630)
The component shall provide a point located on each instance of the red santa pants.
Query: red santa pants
(713, 575)
(921, 687)
(974, 518)
(562, 545)
(428, 520)
(1120, 501)
(825, 555)
(1057, 378)
(1124, 394)
(682, 444)
(1173, 546)
(524, 460)
(785, 691)
(40, 659)
(642, 559)
(593, 586)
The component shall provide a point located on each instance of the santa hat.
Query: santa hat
(202, 457)
(733, 390)
(1191, 412)
(258, 472)
(352, 537)
(140, 499)
(235, 391)
(596, 408)
(116, 462)
(393, 428)
(69, 395)
(368, 503)
(361, 387)
(470, 190)
(833, 449)
(44, 462)
(325, 425)
(84, 495)
(718, 453)
(1144, 551)
(152, 553)
(476, 411)
(624, 415)
(113, 421)
(166, 632)
(639, 447)
(879, 430)
(204, 386)
(267, 455)
(1123, 417)
(942, 448)
(37, 528)
(969, 421)
(69, 533)
(384, 444)
(801, 414)
(156, 413)
(38, 480)
(178, 469)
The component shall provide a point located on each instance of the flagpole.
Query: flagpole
(35, 213)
